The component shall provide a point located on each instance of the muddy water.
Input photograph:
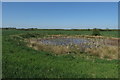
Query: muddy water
(64, 41)
(85, 43)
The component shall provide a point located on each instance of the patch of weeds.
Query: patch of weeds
(70, 56)
(11, 51)
(96, 32)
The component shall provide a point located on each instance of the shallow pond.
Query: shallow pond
(68, 41)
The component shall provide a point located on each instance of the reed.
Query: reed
(110, 52)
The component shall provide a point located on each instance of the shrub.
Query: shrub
(96, 32)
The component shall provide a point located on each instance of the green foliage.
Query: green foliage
(19, 61)
(32, 35)
(96, 32)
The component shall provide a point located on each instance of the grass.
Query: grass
(20, 61)
(110, 52)
(48, 48)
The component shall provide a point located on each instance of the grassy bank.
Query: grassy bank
(20, 61)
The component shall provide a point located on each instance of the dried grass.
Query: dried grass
(110, 52)
(50, 48)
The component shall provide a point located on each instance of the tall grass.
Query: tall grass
(110, 52)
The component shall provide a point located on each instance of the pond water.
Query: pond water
(68, 41)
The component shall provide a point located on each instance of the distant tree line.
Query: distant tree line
(31, 29)
(7, 28)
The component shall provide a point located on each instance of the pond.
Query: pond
(69, 41)
(61, 45)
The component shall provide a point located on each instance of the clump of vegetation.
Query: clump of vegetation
(110, 52)
(31, 35)
(96, 32)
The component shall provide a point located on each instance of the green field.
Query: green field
(20, 61)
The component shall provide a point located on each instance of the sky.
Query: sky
(60, 15)
(60, 0)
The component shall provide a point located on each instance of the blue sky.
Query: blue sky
(60, 15)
